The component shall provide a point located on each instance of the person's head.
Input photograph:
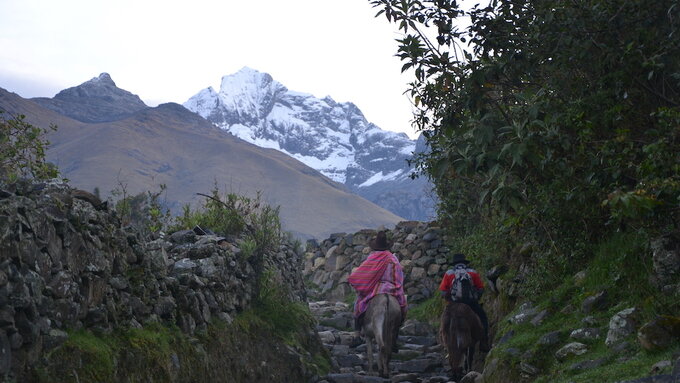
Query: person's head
(380, 243)
(459, 258)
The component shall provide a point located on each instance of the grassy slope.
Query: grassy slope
(621, 265)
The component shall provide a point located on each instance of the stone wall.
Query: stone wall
(420, 246)
(66, 264)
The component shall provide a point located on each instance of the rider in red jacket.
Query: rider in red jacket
(459, 262)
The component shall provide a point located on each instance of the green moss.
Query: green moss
(88, 356)
(350, 298)
(321, 364)
(94, 355)
(614, 369)
(274, 310)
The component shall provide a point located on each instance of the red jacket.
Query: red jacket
(447, 281)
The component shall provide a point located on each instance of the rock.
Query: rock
(621, 325)
(418, 365)
(430, 235)
(5, 354)
(506, 337)
(661, 367)
(414, 327)
(433, 269)
(119, 283)
(327, 337)
(417, 273)
(348, 360)
(318, 262)
(419, 340)
(659, 333)
(496, 272)
(525, 313)
(331, 251)
(424, 261)
(472, 377)
(539, 318)
(589, 320)
(184, 265)
(596, 302)
(585, 334)
(165, 306)
(352, 378)
(436, 379)
(409, 377)
(571, 349)
(588, 364)
(183, 237)
(666, 259)
(340, 350)
(527, 370)
(622, 347)
(54, 339)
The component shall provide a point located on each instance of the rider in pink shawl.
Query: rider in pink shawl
(380, 273)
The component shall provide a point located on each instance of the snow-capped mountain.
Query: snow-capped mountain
(333, 138)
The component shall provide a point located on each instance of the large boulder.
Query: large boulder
(660, 333)
(621, 325)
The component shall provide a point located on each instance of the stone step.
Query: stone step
(420, 358)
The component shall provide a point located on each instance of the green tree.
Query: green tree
(22, 149)
(559, 120)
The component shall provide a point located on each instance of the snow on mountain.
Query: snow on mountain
(333, 138)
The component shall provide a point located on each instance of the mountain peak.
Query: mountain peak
(95, 100)
(103, 79)
(331, 137)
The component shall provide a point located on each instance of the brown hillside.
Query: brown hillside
(170, 145)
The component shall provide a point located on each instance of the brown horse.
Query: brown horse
(381, 323)
(460, 331)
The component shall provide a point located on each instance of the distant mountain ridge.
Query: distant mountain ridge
(96, 100)
(333, 138)
(141, 147)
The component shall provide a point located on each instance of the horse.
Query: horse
(381, 323)
(460, 331)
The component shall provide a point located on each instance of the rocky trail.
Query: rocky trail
(420, 358)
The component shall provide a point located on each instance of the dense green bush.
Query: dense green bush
(550, 122)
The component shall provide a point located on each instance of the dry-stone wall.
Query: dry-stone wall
(65, 264)
(418, 245)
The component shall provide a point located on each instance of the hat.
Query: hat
(459, 258)
(380, 243)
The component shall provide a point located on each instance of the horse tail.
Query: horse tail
(388, 324)
(380, 322)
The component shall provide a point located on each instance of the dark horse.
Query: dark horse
(460, 331)
(381, 323)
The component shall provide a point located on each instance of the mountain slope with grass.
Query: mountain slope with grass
(172, 146)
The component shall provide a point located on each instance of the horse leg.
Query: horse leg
(469, 357)
(378, 331)
(456, 360)
(385, 352)
(369, 354)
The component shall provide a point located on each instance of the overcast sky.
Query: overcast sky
(168, 50)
